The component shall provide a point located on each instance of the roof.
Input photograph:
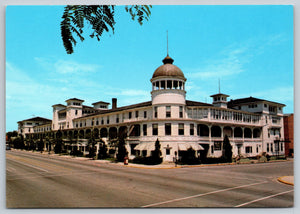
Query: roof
(250, 100)
(36, 119)
(89, 107)
(168, 69)
(58, 105)
(102, 102)
(75, 99)
(214, 95)
(105, 111)
(195, 103)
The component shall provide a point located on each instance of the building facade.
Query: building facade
(289, 134)
(252, 124)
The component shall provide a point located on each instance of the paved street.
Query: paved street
(37, 180)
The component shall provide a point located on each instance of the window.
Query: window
(102, 121)
(76, 111)
(168, 129)
(268, 147)
(117, 119)
(175, 86)
(107, 121)
(271, 145)
(145, 129)
(162, 84)
(157, 85)
(265, 105)
(168, 111)
(180, 85)
(169, 84)
(80, 124)
(180, 112)
(129, 115)
(217, 145)
(154, 129)
(212, 149)
(257, 149)
(155, 112)
(180, 129)
(136, 114)
(248, 149)
(167, 151)
(191, 129)
(145, 114)
(97, 122)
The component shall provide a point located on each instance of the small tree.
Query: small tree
(122, 152)
(102, 154)
(156, 159)
(58, 146)
(227, 149)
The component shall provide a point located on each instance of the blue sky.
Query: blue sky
(250, 48)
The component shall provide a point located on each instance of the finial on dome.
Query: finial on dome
(168, 60)
(167, 44)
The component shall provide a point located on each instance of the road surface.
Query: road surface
(35, 180)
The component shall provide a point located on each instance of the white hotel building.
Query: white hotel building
(251, 124)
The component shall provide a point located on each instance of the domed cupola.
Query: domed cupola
(168, 69)
(168, 84)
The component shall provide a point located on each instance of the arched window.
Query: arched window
(202, 130)
(247, 133)
(238, 132)
(215, 131)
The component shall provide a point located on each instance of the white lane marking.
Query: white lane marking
(260, 199)
(29, 165)
(203, 194)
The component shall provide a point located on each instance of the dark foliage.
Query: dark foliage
(122, 152)
(58, 147)
(40, 145)
(227, 149)
(147, 160)
(18, 143)
(155, 155)
(76, 152)
(189, 157)
(102, 154)
(99, 17)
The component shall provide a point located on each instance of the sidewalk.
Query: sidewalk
(287, 180)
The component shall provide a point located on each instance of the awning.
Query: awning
(187, 145)
(150, 146)
(145, 146)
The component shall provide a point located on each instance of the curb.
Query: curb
(204, 165)
(281, 179)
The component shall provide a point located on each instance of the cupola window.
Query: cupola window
(180, 85)
(163, 84)
(169, 84)
(175, 84)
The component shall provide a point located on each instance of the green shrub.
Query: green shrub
(147, 160)
(76, 153)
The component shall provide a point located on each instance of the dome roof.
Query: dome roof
(168, 69)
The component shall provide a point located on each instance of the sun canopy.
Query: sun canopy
(145, 146)
(150, 146)
(187, 145)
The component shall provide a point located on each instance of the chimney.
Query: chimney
(114, 103)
